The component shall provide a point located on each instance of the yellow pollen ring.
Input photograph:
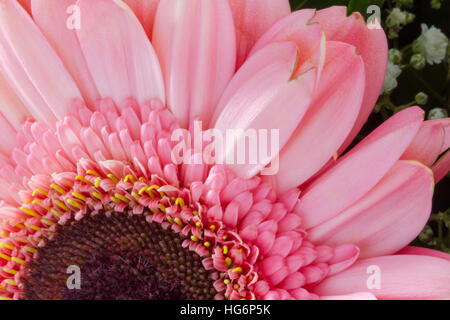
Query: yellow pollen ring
(180, 202)
(36, 191)
(57, 188)
(121, 197)
(30, 212)
(93, 173)
(113, 178)
(79, 196)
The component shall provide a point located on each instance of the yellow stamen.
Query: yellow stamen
(198, 224)
(155, 187)
(17, 260)
(11, 282)
(79, 196)
(36, 201)
(5, 298)
(178, 221)
(97, 182)
(19, 226)
(5, 257)
(32, 226)
(180, 202)
(136, 196)
(30, 249)
(83, 179)
(162, 207)
(237, 270)
(195, 213)
(55, 212)
(225, 249)
(62, 205)
(97, 195)
(10, 271)
(4, 233)
(74, 203)
(30, 212)
(236, 286)
(212, 227)
(115, 200)
(194, 238)
(228, 261)
(121, 198)
(93, 173)
(4, 245)
(36, 191)
(143, 189)
(129, 177)
(227, 281)
(113, 178)
(207, 244)
(57, 188)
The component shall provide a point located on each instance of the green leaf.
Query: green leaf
(362, 5)
(317, 4)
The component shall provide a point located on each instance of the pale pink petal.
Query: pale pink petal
(40, 80)
(424, 252)
(445, 123)
(400, 277)
(388, 217)
(427, 145)
(326, 123)
(196, 44)
(360, 169)
(255, 105)
(352, 296)
(54, 17)
(441, 167)
(145, 11)
(7, 136)
(252, 18)
(371, 44)
(297, 27)
(119, 55)
(10, 106)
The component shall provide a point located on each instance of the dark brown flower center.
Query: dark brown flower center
(117, 257)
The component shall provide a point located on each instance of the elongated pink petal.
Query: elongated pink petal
(145, 11)
(445, 123)
(40, 80)
(57, 20)
(7, 136)
(424, 252)
(10, 105)
(427, 145)
(196, 43)
(400, 277)
(371, 43)
(359, 170)
(252, 18)
(388, 217)
(441, 167)
(326, 123)
(297, 27)
(255, 105)
(119, 55)
(352, 296)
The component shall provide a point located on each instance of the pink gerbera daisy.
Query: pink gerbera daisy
(91, 94)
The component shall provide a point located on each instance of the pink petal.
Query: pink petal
(297, 27)
(441, 167)
(11, 107)
(52, 17)
(26, 4)
(352, 296)
(427, 145)
(145, 11)
(371, 45)
(360, 169)
(260, 87)
(40, 80)
(118, 53)
(252, 18)
(196, 44)
(401, 277)
(326, 123)
(7, 137)
(388, 217)
(424, 252)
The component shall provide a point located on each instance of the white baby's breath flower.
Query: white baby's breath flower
(392, 73)
(396, 18)
(432, 44)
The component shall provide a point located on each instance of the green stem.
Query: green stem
(430, 90)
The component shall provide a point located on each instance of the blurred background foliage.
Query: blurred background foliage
(430, 81)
